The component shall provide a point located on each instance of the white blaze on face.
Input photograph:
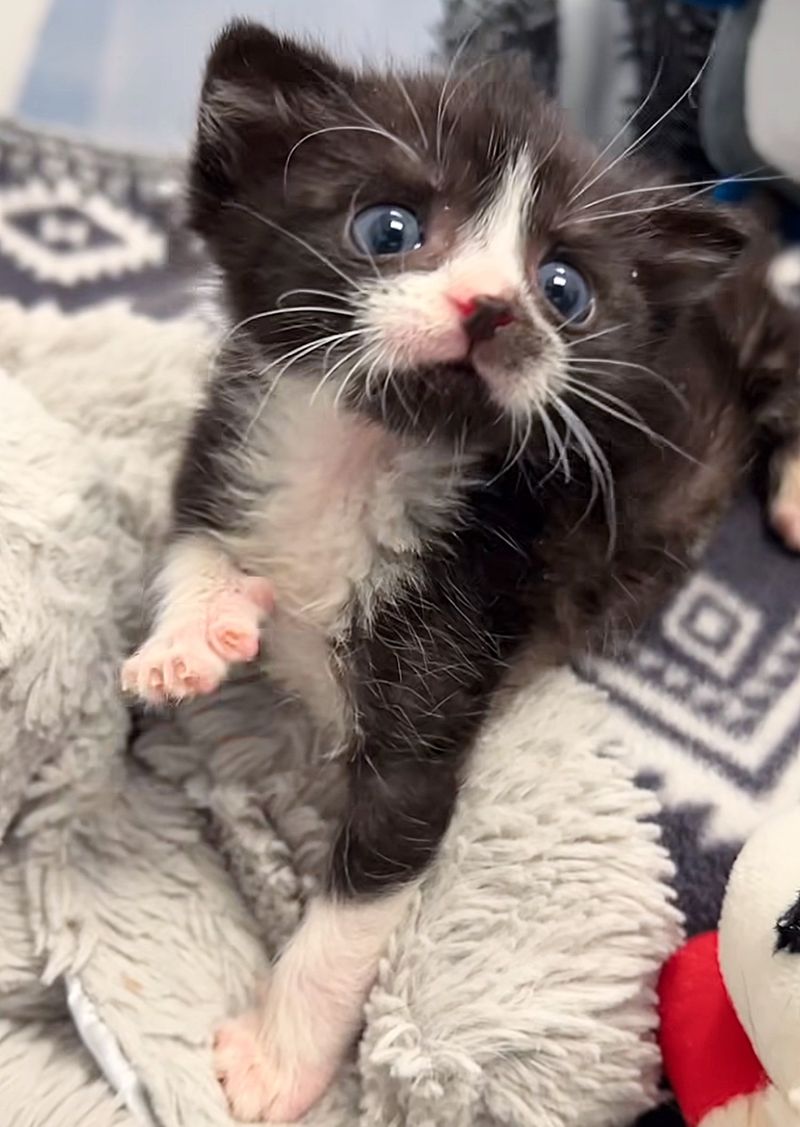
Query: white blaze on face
(415, 319)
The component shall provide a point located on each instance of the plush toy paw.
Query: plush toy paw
(262, 1080)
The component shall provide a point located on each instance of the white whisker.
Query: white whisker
(370, 120)
(377, 130)
(315, 293)
(523, 442)
(414, 111)
(608, 362)
(596, 336)
(600, 391)
(679, 202)
(392, 382)
(634, 145)
(262, 316)
(745, 178)
(637, 424)
(459, 51)
(599, 468)
(349, 376)
(563, 443)
(468, 73)
(295, 238)
(368, 389)
(555, 444)
(330, 371)
(312, 346)
(288, 359)
(622, 130)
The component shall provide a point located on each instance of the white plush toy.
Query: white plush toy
(730, 1001)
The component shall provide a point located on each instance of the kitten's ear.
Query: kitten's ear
(695, 245)
(257, 90)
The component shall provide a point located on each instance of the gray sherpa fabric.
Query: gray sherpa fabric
(156, 879)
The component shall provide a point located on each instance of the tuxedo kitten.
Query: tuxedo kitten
(483, 389)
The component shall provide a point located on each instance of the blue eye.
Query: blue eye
(567, 291)
(386, 229)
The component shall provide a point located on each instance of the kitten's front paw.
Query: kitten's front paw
(263, 1081)
(233, 619)
(173, 665)
(190, 656)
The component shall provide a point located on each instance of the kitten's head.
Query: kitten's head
(437, 246)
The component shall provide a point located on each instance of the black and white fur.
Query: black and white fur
(401, 467)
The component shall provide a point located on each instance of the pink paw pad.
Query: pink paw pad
(259, 1081)
(173, 665)
(233, 619)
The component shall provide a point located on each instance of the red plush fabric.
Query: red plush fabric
(708, 1057)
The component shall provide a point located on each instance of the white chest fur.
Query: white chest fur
(339, 510)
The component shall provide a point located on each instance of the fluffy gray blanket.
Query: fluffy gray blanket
(143, 884)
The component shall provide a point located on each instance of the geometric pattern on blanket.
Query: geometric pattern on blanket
(80, 225)
(715, 684)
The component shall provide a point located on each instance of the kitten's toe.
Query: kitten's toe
(172, 666)
(261, 1081)
(233, 625)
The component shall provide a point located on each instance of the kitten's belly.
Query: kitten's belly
(327, 506)
(332, 530)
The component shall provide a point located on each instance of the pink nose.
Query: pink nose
(483, 315)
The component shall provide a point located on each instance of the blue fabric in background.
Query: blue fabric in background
(64, 77)
(126, 72)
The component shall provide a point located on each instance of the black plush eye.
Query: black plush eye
(567, 291)
(386, 229)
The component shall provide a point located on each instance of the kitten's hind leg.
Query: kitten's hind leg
(417, 709)
(209, 617)
(276, 1062)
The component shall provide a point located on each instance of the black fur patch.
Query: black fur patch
(420, 680)
(687, 358)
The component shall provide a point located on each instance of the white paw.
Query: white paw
(260, 1082)
(191, 657)
(172, 665)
